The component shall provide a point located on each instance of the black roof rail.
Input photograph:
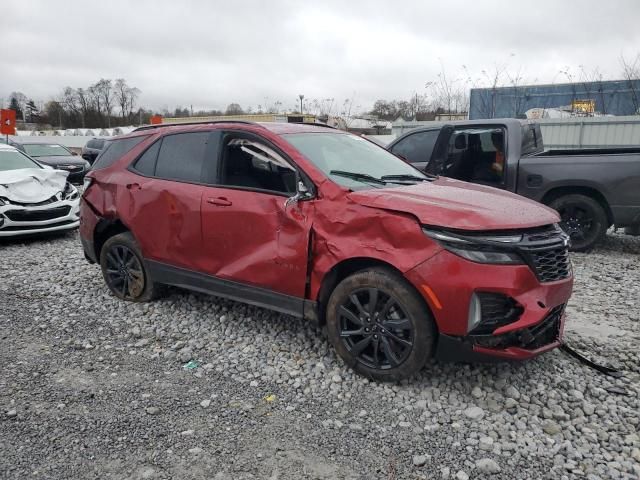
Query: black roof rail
(205, 122)
(313, 124)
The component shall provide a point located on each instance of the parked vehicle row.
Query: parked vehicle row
(321, 224)
(592, 189)
(53, 155)
(34, 198)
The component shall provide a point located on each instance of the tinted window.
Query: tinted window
(95, 143)
(181, 156)
(251, 164)
(146, 164)
(531, 140)
(114, 150)
(417, 147)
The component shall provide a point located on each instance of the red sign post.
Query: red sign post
(7, 122)
(156, 119)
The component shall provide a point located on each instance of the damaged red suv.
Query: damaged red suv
(321, 224)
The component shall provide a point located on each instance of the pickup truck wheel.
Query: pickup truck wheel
(124, 271)
(379, 325)
(583, 219)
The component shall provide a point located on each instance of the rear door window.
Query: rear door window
(146, 164)
(114, 150)
(181, 157)
(417, 147)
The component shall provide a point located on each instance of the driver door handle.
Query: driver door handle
(220, 201)
(133, 186)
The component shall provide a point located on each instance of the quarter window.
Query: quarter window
(114, 150)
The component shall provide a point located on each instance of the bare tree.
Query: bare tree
(104, 90)
(631, 74)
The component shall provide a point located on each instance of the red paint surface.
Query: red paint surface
(252, 238)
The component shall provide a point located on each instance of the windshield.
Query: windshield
(46, 150)
(342, 153)
(14, 160)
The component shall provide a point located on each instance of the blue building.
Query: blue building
(616, 97)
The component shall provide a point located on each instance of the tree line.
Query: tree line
(104, 104)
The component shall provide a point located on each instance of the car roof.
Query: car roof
(274, 127)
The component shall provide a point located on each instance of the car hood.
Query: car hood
(459, 205)
(31, 185)
(61, 160)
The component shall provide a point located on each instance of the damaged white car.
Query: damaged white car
(34, 198)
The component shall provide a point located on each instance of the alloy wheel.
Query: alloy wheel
(375, 328)
(124, 272)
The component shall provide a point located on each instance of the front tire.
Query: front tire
(124, 270)
(583, 219)
(379, 325)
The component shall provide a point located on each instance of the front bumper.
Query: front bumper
(447, 283)
(19, 220)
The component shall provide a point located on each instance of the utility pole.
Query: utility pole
(301, 97)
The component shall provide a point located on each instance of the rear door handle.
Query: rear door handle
(133, 186)
(220, 201)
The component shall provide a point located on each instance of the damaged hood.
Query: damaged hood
(459, 205)
(31, 185)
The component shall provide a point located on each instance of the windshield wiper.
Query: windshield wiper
(406, 176)
(358, 176)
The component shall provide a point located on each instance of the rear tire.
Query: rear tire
(124, 270)
(379, 325)
(583, 219)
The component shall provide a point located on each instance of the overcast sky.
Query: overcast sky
(208, 54)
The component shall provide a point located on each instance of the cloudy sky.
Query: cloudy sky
(208, 54)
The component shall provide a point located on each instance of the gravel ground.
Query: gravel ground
(92, 387)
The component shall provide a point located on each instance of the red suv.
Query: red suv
(321, 224)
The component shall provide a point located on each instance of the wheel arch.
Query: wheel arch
(105, 229)
(594, 193)
(345, 268)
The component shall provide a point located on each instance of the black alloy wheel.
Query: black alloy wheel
(379, 324)
(124, 272)
(582, 218)
(375, 329)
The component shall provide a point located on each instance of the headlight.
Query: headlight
(70, 192)
(491, 249)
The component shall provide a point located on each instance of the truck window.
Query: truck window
(474, 155)
(416, 147)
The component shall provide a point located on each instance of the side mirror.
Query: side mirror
(302, 193)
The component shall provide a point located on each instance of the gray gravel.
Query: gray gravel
(92, 387)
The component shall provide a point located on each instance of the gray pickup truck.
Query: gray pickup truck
(592, 189)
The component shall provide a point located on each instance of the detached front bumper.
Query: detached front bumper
(534, 325)
(517, 345)
(18, 220)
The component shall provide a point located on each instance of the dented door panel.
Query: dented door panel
(250, 237)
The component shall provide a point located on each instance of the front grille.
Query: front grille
(531, 338)
(37, 215)
(53, 199)
(547, 252)
(551, 265)
(71, 168)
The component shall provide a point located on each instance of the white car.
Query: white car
(34, 198)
